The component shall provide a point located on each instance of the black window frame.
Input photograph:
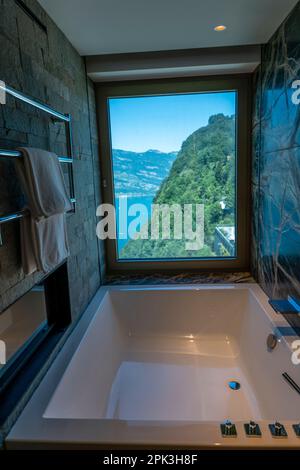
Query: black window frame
(239, 83)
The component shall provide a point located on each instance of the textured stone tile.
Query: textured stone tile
(280, 117)
(256, 103)
(8, 25)
(276, 166)
(47, 67)
(279, 242)
(182, 278)
(11, 70)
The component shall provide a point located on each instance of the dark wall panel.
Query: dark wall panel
(276, 165)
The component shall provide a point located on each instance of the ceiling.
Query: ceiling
(121, 26)
(179, 63)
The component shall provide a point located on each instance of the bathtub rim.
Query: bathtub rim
(55, 433)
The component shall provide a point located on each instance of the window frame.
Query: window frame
(239, 83)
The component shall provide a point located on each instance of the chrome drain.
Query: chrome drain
(234, 385)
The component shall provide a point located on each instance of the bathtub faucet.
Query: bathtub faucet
(290, 305)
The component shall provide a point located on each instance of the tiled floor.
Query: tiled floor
(184, 278)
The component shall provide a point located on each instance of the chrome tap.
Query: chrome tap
(277, 430)
(228, 429)
(252, 429)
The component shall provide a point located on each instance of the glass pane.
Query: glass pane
(20, 322)
(174, 175)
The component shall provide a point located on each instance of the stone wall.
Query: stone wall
(276, 165)
(45, 66)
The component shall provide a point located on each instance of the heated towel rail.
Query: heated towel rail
(56, 116)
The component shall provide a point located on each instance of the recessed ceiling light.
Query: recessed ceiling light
(221, 27)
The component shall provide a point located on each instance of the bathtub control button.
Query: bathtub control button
(296, 428)
(272, 341)
(252, 429)
(277, 430)
(228, 429)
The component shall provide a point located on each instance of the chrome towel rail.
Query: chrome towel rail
(15, 216)
(18, 215)
(35, 103)
(56, 116)
(16, 154)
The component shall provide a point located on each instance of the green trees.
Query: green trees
(202, 173)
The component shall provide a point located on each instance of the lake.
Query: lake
(121, 218)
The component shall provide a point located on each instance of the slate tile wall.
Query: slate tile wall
(47, 67)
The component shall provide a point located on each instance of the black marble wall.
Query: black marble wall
(43, 64)
(276, 165)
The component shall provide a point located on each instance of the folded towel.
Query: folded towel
(44, 242)
(43, 182)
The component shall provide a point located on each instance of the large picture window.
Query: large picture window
(175, 169)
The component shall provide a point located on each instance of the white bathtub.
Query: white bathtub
(150, 366)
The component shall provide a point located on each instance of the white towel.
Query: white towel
(43, 182)
(44, 242)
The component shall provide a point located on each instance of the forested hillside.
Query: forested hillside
(203, 172)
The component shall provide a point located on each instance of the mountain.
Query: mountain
(140, 173)
(203, 172)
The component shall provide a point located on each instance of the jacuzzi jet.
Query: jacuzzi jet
(234, 385)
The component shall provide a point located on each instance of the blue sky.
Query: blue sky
(163, 122)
